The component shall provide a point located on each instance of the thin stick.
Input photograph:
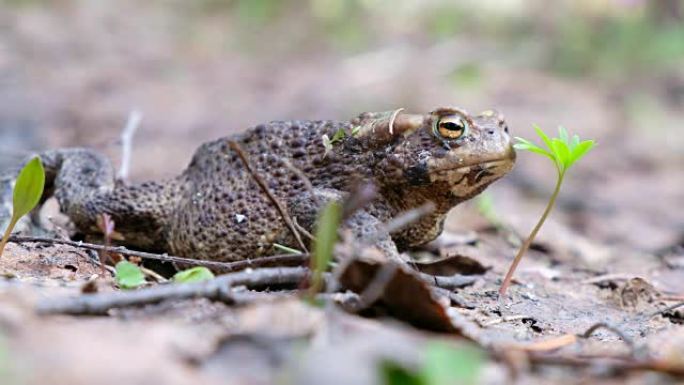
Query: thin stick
(307, 182)
(157, 277)
(132, 124)
(616, 364)
(505, 319)
(376, 288)
(530, 238)
(219, 288)
(665, 310)
(221, 266)
(602, 325)
(264, 187)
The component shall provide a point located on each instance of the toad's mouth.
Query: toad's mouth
(478, 166)
(465, 177)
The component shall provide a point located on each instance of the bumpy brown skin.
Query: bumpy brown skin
(215, 210)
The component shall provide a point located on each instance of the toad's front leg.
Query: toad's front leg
(363, 226)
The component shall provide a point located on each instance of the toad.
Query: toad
(215, 209)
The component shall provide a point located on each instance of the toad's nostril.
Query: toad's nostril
(506, 128)
(490, 131)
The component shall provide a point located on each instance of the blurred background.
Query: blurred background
(72, 70)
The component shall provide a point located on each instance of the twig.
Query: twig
(283, 259)
(307, 182)
(665, 310)
(617, 364)
(408, 217)
(219, 289)
(400, 221)
(376, 288)
(607, 277)
(157, 277)
(547, 345)
(132, 124)
(302, 230)
(504, 319)
(264, 187)
(611, 328)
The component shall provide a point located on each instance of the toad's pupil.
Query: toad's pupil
(451, 126)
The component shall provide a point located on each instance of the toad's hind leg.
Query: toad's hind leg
(84, 184)
(71, 175)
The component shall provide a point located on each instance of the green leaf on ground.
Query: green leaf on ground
(195, 274)
(128, 275)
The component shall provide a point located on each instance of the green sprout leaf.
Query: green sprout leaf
(195, 274)
(339, 135)
(326, 236)
(564, 151)
(129, 275)
(28, 189)
(328, 142)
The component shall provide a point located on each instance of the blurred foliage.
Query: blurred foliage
(612, 46)
(468, 75)
(599, 37)
(443, 364)
(607, 38)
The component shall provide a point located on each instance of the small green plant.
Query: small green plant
(286, 249)
(563, 151)
(326, 237)
(443, 364)
(129, 275)
(28, 189)
(194, 274)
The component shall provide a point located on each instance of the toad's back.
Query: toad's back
(221, 206)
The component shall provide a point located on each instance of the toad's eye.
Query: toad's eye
(451, 127)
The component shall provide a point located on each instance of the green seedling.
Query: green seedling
(326, 237)
(194, 274)
(129, 275)
(28, 189)
(563, 151)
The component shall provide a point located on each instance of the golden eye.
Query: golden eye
(450, 127)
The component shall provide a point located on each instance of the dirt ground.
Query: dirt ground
(611, 253)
